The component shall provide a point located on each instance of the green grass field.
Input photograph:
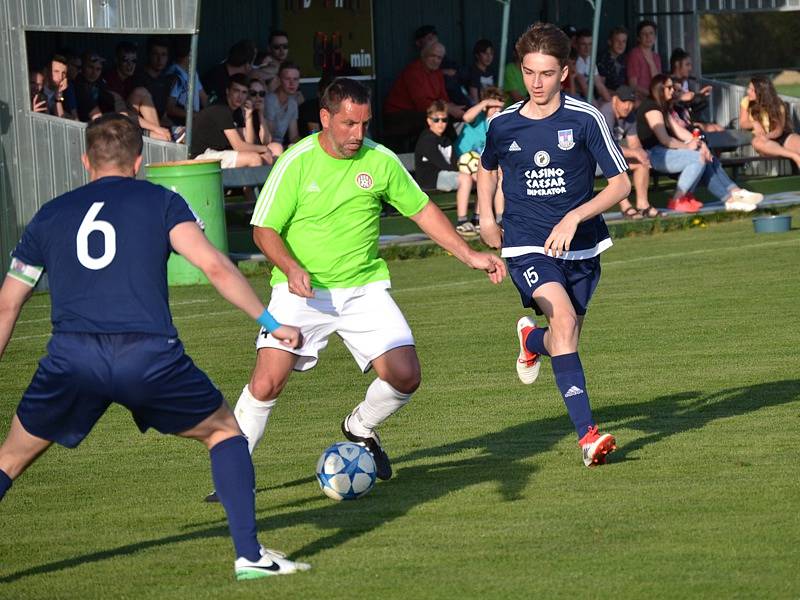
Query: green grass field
(691, 352)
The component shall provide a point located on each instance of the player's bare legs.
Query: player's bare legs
(272, 370)
(235, 483)
(399, 376)
(18, 452)
(560, 341)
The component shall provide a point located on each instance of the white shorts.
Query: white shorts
(366, 318)
(227, 158)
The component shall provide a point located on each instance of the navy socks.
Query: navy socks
(571, 382)
(535, 341)
(235, 482)
(5, 483)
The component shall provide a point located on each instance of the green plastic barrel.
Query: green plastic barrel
(200, 183)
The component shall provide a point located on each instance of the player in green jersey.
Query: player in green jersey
(317, 220)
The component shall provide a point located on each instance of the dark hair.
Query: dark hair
(423, 31)
(158, 40)
(241, 53)
(493, 92)
(324, 81)
(645, 23)
(125, 48)
(656, 87)
(616, 31)
(583, 33)
(113, 139)
(767, 102)
(182, 46)
(545, 38)
(341, 89)
(481, 46)
(436, 106)
(238, 79)
(287, 64)
(678, 55)
(57, 58)
(276, 33)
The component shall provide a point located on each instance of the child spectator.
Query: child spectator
(473, 137)
(765, 113)
(435, 164)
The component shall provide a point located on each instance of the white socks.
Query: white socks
(252, 415)
(380, 403)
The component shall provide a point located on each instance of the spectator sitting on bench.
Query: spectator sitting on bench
(611, 62)
(256, 128)
(621, 119)
(59, 94)
(643, 62)
(36, 83)
(120, 82)
(473, 137)
(239, 60)
(178, 72)
(435, 166)
(282, 106)
(689, 103)
(584, 65)
(765, 113)
(217, 131)
(672, 149)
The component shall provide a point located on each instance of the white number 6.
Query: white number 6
(109, 240)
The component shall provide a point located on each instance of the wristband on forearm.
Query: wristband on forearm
(267, 321)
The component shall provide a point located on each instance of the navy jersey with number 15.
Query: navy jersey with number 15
(105, 247)
(548, 169)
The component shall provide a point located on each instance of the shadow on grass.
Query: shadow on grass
(501, 458)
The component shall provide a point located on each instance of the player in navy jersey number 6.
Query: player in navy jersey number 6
(553, 233)
(105, 247)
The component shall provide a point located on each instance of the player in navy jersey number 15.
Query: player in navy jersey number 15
(105, 247)
(548, 147)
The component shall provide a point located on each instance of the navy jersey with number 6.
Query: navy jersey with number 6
(105, 247)
(548, 169)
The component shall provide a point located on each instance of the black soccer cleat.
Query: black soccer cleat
(212, 497)
(383, 466)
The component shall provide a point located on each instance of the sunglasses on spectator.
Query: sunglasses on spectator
(261, 94)
(439, 119)
(280, 46)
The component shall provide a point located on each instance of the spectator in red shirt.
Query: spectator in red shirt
(418, 86)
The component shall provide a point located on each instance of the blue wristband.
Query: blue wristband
(267, 321)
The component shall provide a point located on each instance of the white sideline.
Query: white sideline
(471, 281)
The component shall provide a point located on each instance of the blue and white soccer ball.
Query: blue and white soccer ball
(346, 471)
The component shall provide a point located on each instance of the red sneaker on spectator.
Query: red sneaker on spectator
(683, 204)
(694, 200)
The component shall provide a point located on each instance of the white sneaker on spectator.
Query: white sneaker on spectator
(733, 205)
(747, 197)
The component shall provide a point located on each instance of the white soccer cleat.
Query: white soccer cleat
(528, 363)
(595, 446)
(271, 563)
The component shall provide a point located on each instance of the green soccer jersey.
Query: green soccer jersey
(327, 210)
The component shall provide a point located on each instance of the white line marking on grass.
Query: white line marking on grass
(693, 252)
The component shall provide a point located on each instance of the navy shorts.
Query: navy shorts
(84, 373)
(578, 277)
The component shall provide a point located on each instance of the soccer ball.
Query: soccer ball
(346, 471)
(468, 162)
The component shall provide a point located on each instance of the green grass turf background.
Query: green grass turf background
(690, 349)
